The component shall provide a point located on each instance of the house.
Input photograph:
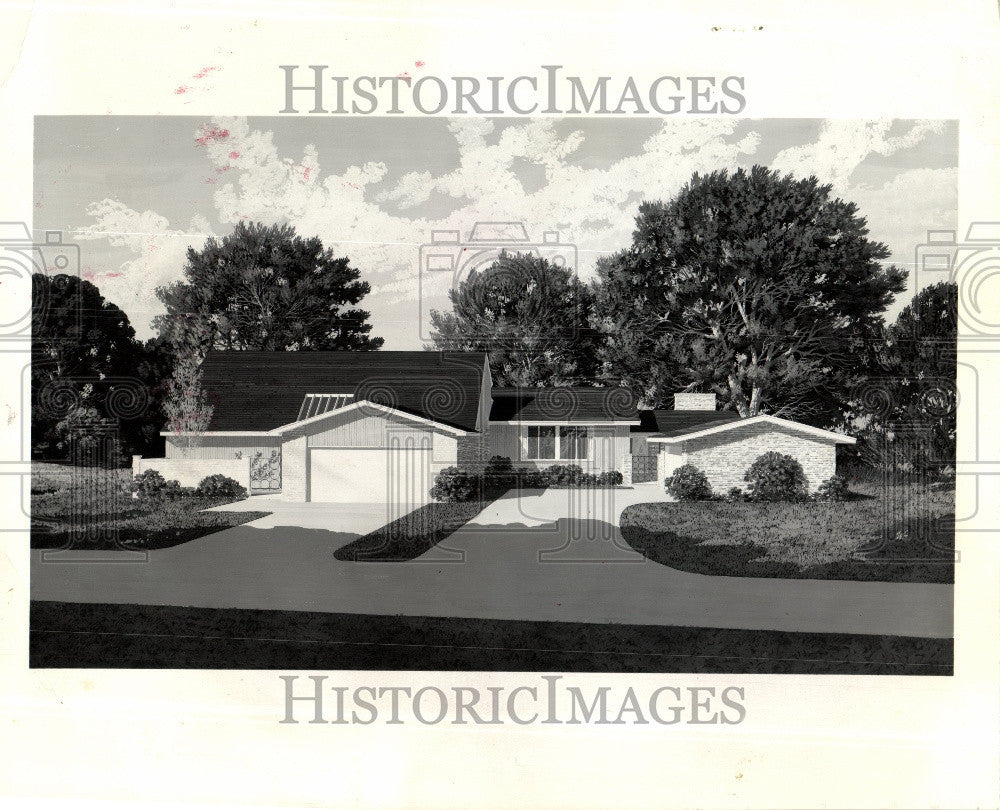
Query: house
(378, 426)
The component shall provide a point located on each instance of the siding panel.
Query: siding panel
(367, 430)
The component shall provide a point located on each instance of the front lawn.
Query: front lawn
(92, 508)
(899, 533)
(413, 534)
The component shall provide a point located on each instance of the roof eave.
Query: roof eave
(364, 403)
(819, 433)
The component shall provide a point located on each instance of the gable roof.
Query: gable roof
(365, 408)
(563, 404)
(711, 429)
(261, 391)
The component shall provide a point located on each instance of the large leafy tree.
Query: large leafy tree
(754, 285)
(86, 360)
(266, 287)
(912, 387)
(529, 314)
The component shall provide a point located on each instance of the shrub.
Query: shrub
(220, 486)
(736, 495)
(499, 474)
(776, 477)
(147, 484)
(833, 488)
(454, 485)
(688, 483)
(610, 478)
(564, 475)
(530, 478)
(173, 490)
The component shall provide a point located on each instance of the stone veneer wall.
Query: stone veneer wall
(725, 457)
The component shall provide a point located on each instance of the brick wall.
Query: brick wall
(726, 456)
(472, 453)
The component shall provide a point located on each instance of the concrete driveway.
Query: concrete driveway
(514, 561)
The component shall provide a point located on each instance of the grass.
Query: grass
(92, 508)
(899, 533)
(413, 534)
(142, 636)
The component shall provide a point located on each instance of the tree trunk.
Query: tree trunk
(736, 394)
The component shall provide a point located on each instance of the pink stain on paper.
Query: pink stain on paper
(211, 133)
(201, 74)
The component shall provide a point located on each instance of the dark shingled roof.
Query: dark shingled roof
(264, 390)
(677, 423)
(591, 405)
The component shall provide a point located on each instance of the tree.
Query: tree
(755, 286)
(185, 405)
(85, 357)
(913, 388)
(265, 287)
(529, 314)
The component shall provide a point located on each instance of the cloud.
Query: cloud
(901, 211)
(381, 226)
(843, 145)
(159, 256)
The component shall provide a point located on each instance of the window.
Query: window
(546, 442)
(541, 442)
(572, 442)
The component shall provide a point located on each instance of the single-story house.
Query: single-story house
(378, 426)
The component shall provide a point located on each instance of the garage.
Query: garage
(397, 476)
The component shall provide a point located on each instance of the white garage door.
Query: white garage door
(398, 477)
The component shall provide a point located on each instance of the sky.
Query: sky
(136, 192)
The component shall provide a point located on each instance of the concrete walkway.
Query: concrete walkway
(517, 560)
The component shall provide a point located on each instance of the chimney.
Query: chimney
(684, 401)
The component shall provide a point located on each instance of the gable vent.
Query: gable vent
(318, 404)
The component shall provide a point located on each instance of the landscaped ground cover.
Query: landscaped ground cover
(897, 533)
(87, 508)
